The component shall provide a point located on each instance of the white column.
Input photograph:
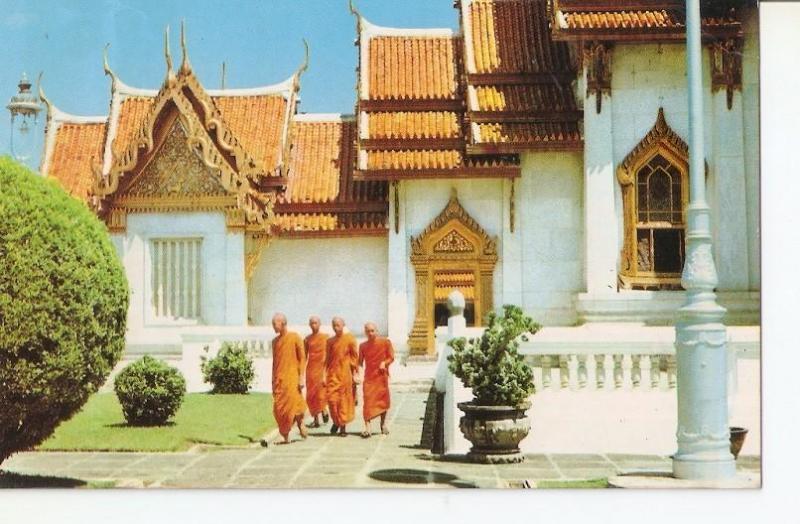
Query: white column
(700, 337)
(454, 391)
(730, 193)
(397, 314)
(235, 282)
(600, 220)
(511, 249)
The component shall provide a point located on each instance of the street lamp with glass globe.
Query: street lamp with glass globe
(24, 108)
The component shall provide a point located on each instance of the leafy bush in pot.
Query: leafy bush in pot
(231, 371)
(63, 306)
(150, 391)
(491, 364)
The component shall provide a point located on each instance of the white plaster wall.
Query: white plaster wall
(550, 224)
(324, 277)
(646, 77)
(222, 289)
(750, 113)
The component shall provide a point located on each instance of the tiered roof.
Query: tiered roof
(321, 196)
(519, 82)
(411, 107)
(640, 20)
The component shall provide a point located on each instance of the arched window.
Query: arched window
(655, 193)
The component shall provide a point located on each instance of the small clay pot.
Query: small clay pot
(737, 440)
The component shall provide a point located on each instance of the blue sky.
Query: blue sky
(261, 42)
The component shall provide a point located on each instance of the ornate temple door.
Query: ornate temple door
(453, 252)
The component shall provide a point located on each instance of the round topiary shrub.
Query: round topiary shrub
(150, 391)
(63, 305)
(231, 371)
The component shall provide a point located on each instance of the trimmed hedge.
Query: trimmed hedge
(231, 371)
(150, 391)
(63, 306)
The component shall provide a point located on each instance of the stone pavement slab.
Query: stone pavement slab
(325, 461)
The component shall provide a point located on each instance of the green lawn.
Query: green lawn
(202, 419)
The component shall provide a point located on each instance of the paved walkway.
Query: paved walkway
(325, 461)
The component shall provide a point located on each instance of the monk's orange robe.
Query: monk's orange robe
(288, 364)
(316, 349)
(342, 360)
(371, 354)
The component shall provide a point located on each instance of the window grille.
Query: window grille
(175, 278)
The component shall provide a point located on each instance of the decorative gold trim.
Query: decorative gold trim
(660, 140)
(257, 245)
(726, 66)
(207, 135)
(597, 58)
(453, 241)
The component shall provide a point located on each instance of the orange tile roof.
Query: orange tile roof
(414, 124)
(132, 113)
(418, 159)
(614, 19)
(76, 148)
(520, 78)
(258, 122)
(412, 67)
(529, 133)
(512, 36)
(320, 171)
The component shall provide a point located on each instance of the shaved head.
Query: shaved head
(279, 322)
(314, 323)
(371, 330)
(338, 325)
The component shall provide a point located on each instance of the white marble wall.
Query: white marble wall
(223, 293)
(646, 77)
(324, 277)
(550, 228)
(750, 115)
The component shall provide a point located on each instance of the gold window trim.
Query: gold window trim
(660, 140)
(452, 243)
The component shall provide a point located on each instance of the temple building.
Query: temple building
(537, 156)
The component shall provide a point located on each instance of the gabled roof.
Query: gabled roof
(640, 20)
(73, 146)
(518, 81)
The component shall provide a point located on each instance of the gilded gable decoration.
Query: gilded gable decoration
(154, 158)
(453, 242)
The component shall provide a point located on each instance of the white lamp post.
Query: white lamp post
(700, 336)
(24, 108)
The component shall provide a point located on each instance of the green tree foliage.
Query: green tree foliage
(231, 371)
(149, 391)
(491, 365)
(63, 305)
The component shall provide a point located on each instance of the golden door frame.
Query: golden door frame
(454, 241)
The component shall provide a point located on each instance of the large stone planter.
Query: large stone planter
(495, 432)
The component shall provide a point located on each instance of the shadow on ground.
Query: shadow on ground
(418, 476)
(17, 480)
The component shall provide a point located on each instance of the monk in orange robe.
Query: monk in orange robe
(316, 349)
(375, 356)
(288, 378)
(340, 364)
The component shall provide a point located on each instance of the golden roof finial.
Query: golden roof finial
(304, 66)
(107, 68)
(185, 67)
(354, 11)
(168, 56)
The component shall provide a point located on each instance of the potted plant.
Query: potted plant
(495, 421)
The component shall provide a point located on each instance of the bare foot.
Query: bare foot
(303, 432)
(384, 430)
